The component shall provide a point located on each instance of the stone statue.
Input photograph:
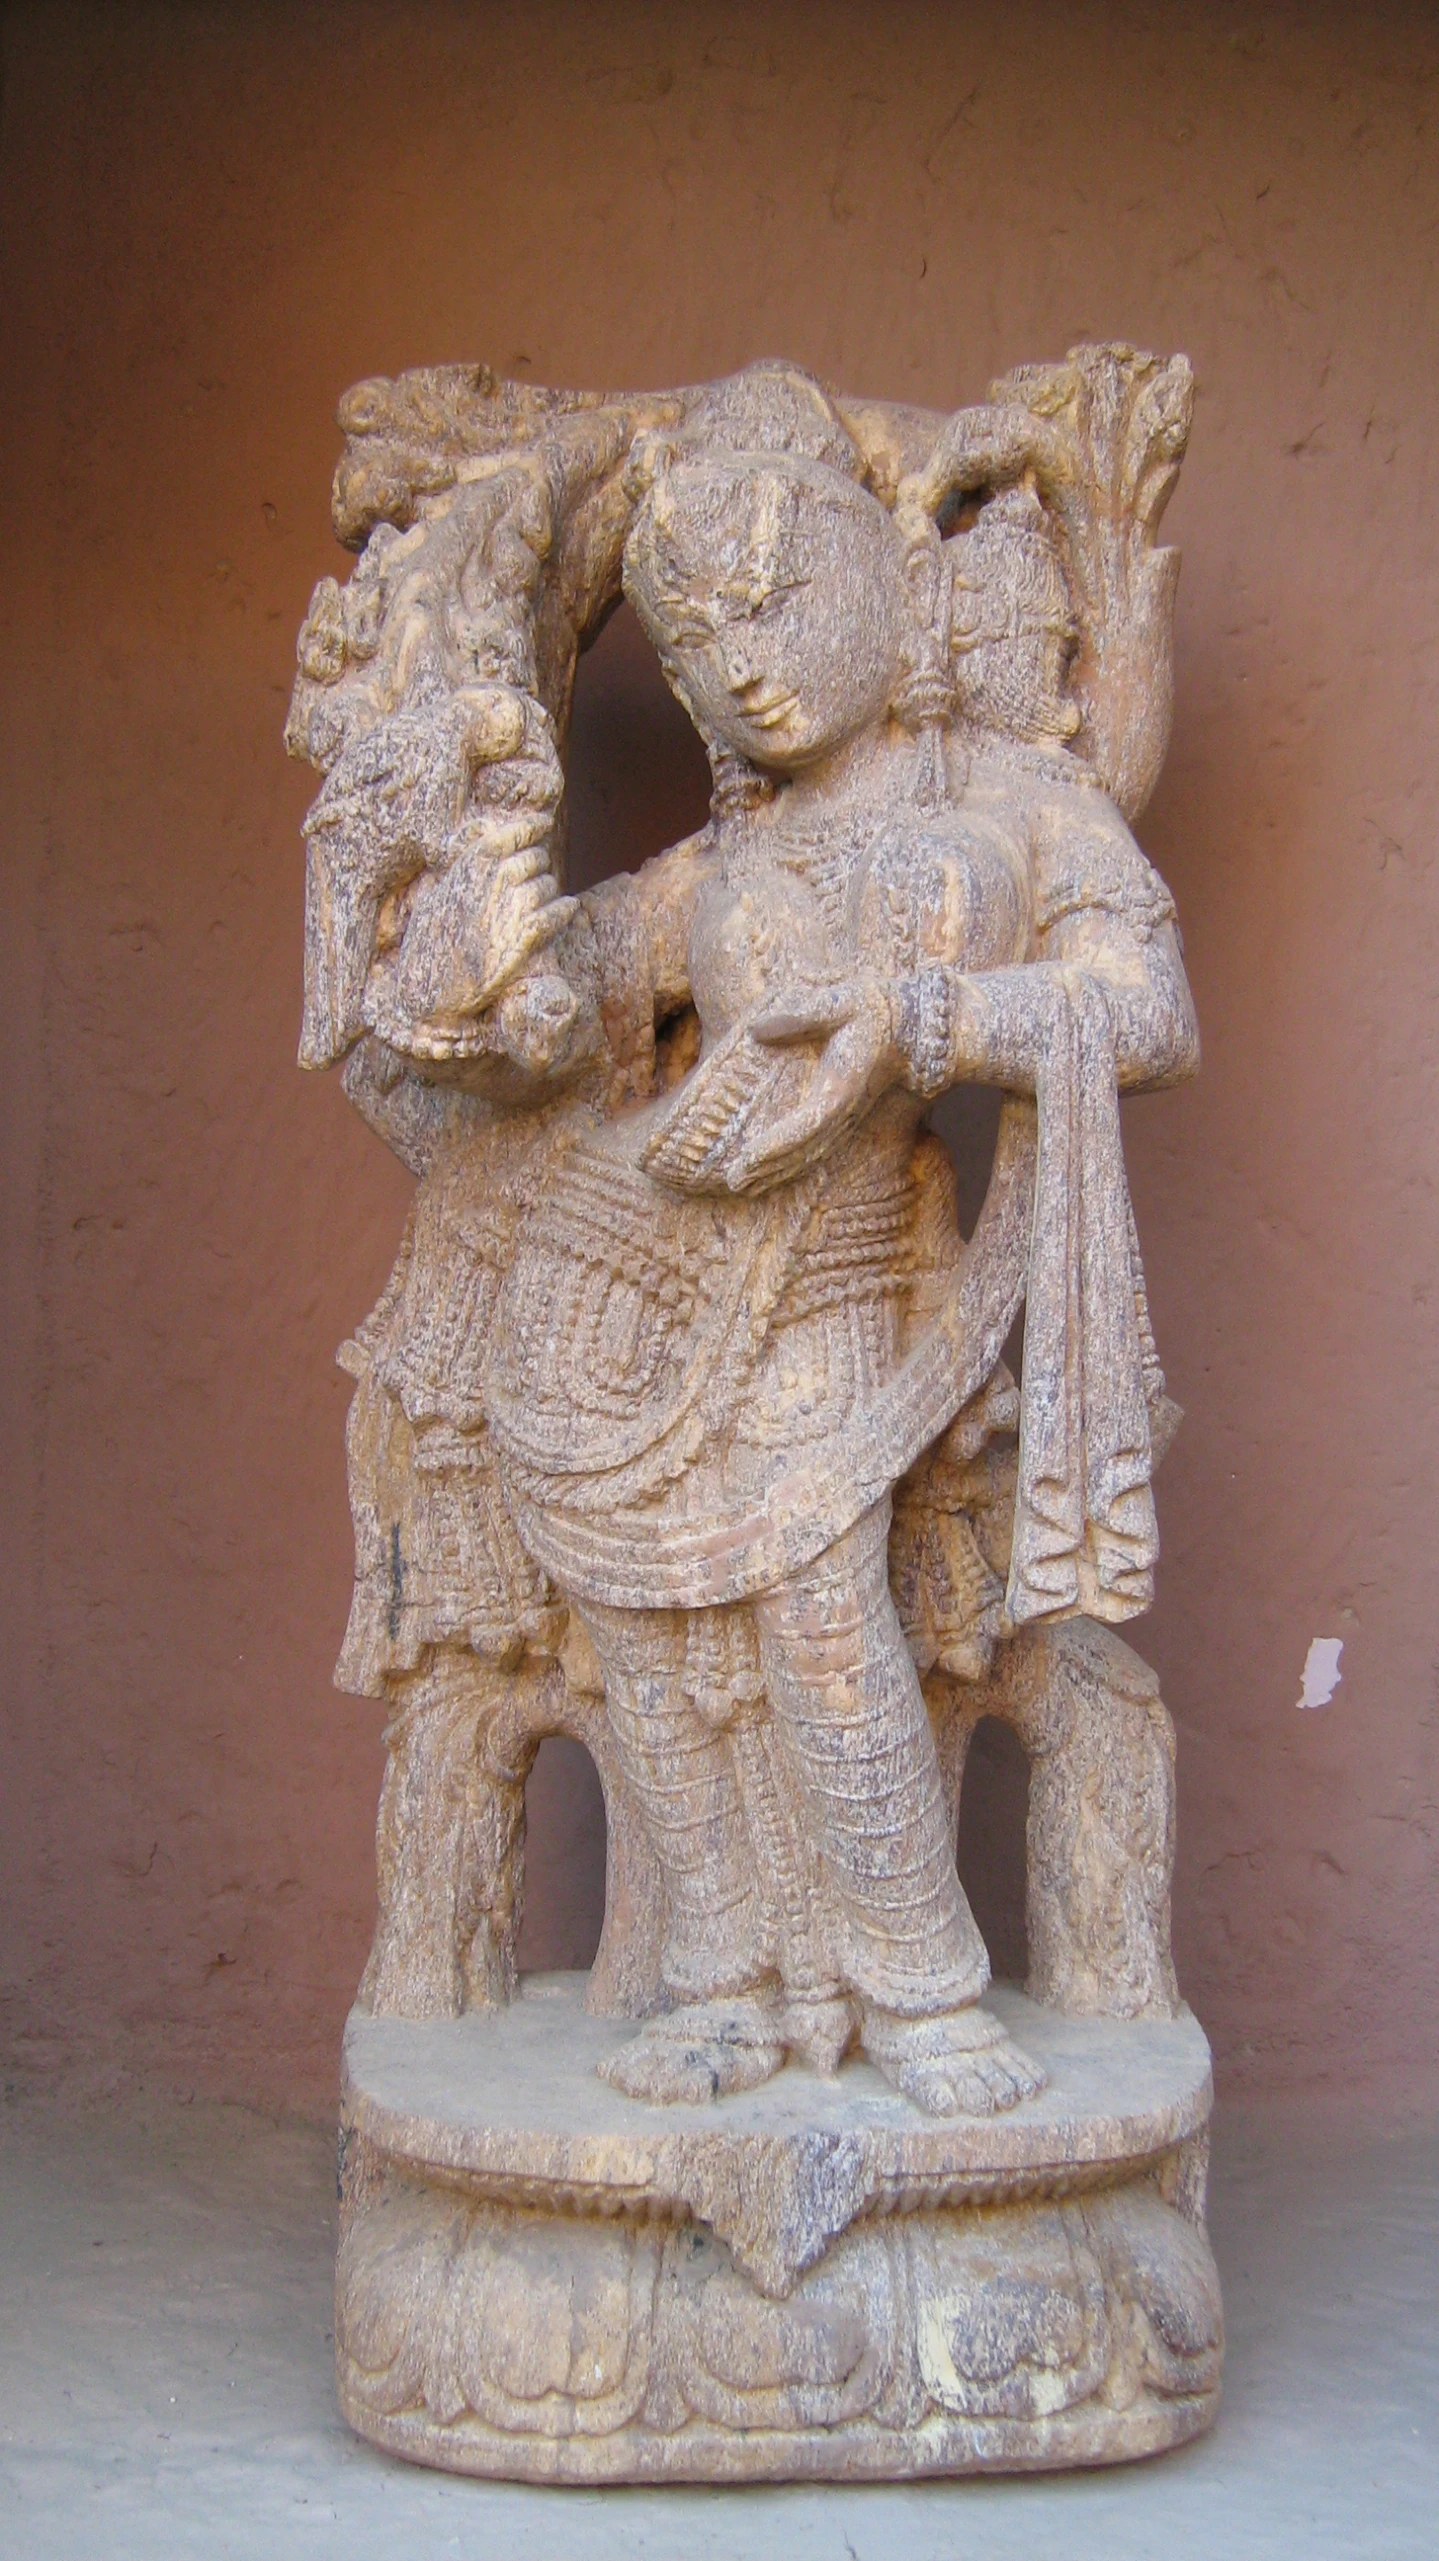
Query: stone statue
(684, 1427)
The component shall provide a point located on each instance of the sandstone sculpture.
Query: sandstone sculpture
(684, 1427)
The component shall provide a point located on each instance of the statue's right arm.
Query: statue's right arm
(641, 923)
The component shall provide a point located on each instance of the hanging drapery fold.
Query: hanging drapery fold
(1085, 1534)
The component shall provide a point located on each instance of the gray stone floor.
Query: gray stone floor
(165, 2386)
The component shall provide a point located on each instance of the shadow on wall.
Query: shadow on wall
(993, 1813)
(638, 778)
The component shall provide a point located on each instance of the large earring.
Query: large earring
(925, 700)
(738, 786)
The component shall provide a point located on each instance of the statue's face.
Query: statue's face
(775, 597)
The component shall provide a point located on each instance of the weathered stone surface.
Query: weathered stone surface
(683, 1425)
(540, 2280)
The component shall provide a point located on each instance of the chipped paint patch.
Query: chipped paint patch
(1321, 1672)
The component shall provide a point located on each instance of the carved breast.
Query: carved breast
(880, 892)
(954, 889)
(751, 936)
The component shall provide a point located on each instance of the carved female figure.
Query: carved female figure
(683, 1427)
(705, 1381)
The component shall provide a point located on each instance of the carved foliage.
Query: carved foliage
(550, 2325)
(1117, 423)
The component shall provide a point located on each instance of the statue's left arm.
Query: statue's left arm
(1102, 1004)
(1102, 915)
(1104, 931)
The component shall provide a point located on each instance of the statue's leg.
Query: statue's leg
(820, 2012)
(416, 1968)
(847, 1700)
(717, 1964)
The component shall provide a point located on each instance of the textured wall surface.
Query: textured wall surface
(218, 218)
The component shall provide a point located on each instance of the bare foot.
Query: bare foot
(960, 2063)
(699, 2053)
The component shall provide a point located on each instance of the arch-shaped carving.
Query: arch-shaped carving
(1100, 1834)
(990, 1829)
(624, 1978)
(462, 1737)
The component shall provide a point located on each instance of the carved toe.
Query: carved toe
(696, 2055)
(960, 2063)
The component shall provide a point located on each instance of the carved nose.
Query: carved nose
(735, 659)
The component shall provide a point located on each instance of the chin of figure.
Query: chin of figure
(961, 2063)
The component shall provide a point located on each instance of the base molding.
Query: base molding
(872, 2296)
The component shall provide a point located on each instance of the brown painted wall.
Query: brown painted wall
(222, 215)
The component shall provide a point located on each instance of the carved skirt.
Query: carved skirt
(661, 1358)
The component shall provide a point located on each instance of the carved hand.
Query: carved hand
(861, 1059)
(392, 811)
(935, 1028)
(470, 931)
(998, 1026)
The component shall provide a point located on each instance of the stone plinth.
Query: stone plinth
(544, 2280)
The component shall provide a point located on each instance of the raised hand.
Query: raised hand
(469, 932)
(431, 826)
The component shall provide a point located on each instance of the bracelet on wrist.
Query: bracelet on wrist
(926, 1029)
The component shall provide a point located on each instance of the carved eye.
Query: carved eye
(776, 601)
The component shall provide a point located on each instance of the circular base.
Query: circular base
(544, 2280)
